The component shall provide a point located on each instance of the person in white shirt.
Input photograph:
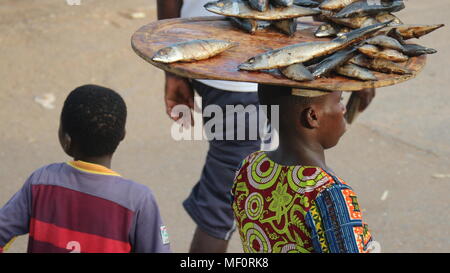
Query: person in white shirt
(209, 203)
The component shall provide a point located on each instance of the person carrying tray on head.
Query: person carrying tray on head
(209, 203)
(289, 200)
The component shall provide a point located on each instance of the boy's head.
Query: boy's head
(320, 118)
(92, 122)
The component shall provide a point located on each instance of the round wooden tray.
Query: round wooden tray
(156, 35)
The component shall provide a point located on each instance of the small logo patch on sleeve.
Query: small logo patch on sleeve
(164, 235)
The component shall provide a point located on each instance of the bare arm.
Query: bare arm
(366, 96)
(169, 9)
(178, 90)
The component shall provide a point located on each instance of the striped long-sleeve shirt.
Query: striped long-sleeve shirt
(83, 207)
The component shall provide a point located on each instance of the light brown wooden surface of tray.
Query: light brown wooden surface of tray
(156, 35)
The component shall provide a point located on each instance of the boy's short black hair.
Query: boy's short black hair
(94, 117)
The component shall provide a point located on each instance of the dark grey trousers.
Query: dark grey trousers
(209, 203)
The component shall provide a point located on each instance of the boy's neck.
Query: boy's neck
(295, 151)
(104, 161)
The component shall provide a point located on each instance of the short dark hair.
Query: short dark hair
(94, 117)
(282, 96)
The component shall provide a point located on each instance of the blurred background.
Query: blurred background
(395, 156)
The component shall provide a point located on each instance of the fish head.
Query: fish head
(213, 6)
(325, 31)
(223, 5)
(255, 63)
(167, 55)
(324, 27)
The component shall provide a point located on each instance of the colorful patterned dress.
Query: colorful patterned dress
(296, 209)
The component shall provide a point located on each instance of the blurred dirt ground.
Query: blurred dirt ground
(396, 155)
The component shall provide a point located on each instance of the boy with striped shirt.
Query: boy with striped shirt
(82, 205)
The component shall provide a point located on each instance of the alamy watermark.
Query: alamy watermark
(229, 122)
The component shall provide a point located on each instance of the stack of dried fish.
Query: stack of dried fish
(377, 47)
(383, 52)
(375, 42)
(292, 60)
(252, 15)
(346, 19)
(341, 16)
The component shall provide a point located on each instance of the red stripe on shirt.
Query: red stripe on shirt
(75, 210)
(35, 246)
(75, 241)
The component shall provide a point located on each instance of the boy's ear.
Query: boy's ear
(310, 118)
(123, 134)
(66, 143)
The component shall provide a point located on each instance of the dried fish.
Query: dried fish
(287, 26)
(343, 31)
(417, 50)
(335, 4)
(365, 8)
(415, 31)
(356, 72)
(286, 56)
(248, 25)
(393, 55)
(388, 54)
(324, 16)
(297, 72)
(263, 24)
(385, 42)
(239, 8)
(302, 52)
(327, 30)
(384, 17)
(260, 5)
(333, 61)
(191, 51)
(369, 50)
(355, 22)
(371, 21)
(394, 33)
(307, 3)
(313, 62)
(284, 3)
(380, 65)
